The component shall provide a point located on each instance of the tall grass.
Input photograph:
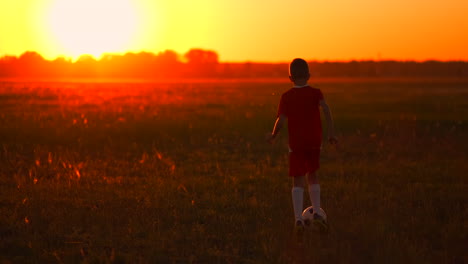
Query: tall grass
(180, 173)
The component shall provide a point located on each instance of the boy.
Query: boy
(300, 105)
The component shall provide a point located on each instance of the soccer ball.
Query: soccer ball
(308, 215)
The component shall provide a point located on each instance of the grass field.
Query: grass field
(180, 173)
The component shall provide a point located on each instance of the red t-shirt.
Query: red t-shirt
(301, 107)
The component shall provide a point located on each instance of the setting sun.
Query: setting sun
(242, 30)
(93, 27)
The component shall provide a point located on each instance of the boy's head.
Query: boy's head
(299, 71)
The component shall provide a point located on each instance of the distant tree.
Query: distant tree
(60, 67)
(199, 56)
(85, 66)
(7, 66)
(31, 57)
(30, 63)
(168, 57)
(86, 58)
(202, 62)
(142, 64)
(168, 64)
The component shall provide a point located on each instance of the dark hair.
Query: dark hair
(299, 69)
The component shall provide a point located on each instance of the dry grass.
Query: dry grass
(179, 173)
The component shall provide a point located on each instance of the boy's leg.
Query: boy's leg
(314, 193)
(314, 190)
(298, 196)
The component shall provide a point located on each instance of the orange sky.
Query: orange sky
(240, 30)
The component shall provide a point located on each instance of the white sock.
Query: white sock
(297, 199)
(314, 194)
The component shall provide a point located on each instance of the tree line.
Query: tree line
(199, 63)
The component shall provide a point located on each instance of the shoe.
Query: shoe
(320, 223)
(299, 230)
(299, 227)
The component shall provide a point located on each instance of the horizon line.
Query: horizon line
(74, 60)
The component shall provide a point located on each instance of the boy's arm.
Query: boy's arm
(278, 125)
(330, 126)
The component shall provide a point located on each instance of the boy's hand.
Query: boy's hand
(332, 140)
(269, 138)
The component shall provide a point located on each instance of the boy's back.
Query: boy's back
(301, 106)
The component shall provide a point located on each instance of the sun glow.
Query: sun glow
(236, 30)
(93, 27)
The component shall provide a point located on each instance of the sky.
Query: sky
(239, 30)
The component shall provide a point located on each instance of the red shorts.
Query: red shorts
(303, 162)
